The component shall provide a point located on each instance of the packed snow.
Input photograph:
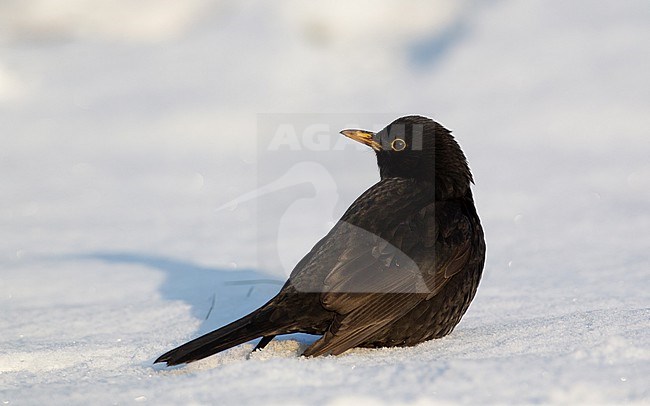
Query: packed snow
(146, 198)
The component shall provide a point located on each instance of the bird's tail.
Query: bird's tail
(256, 324)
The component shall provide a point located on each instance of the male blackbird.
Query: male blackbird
(400, 267)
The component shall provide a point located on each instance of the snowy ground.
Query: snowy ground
(120, 143)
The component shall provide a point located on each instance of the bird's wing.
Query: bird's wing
(380, 275)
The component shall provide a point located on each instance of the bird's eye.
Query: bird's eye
(398, 144)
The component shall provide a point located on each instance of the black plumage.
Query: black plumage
(400, 267)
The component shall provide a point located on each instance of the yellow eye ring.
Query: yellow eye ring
(398, 144)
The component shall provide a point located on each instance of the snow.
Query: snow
(127, 148)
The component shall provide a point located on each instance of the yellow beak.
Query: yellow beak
(364, 137)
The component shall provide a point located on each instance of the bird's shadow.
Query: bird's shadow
(215, 296)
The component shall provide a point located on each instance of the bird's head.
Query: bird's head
(419, 148)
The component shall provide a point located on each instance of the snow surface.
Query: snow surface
(131, 132)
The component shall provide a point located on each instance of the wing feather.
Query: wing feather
(382, 272)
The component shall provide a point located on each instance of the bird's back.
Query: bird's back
(457, 225)
(396, 244)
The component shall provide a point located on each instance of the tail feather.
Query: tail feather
(238, 332)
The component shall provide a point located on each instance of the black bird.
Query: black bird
(400, 267)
